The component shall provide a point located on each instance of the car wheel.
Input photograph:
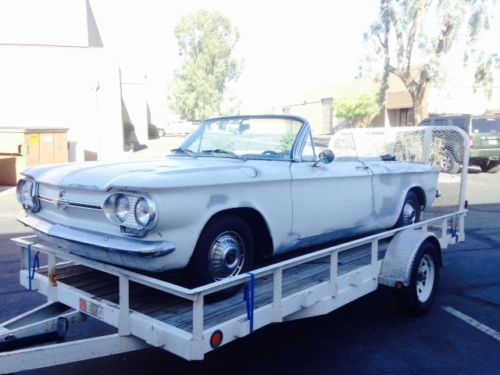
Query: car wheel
(225, 249)
(411, 211)
(489, 166)
(449, 164)
(417, 298)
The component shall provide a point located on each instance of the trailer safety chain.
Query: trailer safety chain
(249, 296)
(36, 265)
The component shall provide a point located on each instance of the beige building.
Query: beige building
(458, 96)
(56, 72)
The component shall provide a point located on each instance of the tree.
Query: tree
(414, 37)
(206, 41)
(360, 111)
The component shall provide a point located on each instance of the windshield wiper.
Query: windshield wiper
(225, 152)
(184, 151)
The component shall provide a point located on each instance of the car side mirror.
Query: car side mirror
(326, 157)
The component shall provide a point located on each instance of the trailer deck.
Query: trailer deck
(149, 311)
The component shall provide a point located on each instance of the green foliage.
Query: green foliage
(287, 140)
(206, 41)
(360, 110)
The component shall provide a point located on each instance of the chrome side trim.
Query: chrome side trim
(102, 241)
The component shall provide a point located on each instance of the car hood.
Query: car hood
(158, 173)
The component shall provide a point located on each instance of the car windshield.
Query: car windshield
(243, 137)
(486, 125)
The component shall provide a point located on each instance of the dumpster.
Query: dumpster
(27, 147)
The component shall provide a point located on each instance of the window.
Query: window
(308, 153)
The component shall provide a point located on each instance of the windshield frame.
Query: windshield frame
(295, 150)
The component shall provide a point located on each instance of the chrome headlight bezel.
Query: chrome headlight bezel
(29, 201)
(128, 220)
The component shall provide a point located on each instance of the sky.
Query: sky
(287, 47)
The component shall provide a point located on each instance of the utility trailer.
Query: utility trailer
(149, 311)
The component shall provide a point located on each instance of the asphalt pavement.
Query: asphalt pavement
(460, 335)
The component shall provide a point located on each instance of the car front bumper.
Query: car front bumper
(125, 252)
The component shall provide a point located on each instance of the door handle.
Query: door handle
(362, 167)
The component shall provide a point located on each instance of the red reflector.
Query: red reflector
(399, 285)
(216, 339)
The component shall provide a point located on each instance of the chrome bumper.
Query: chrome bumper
(127, 252)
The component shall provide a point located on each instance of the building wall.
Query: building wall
(135, 106)
(74, 88)
(56, 73)
(319, 114)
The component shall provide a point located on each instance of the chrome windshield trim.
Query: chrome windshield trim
(104, 241)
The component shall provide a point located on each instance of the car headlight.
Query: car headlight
(122, 207)
(133, 212)
(144, 212)
(27, 195)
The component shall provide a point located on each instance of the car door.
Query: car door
(330, 200)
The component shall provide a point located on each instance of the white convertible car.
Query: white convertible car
(237, 188)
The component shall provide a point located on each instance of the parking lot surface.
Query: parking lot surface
(460, 335)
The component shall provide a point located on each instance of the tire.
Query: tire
(449, 163)
(224, 249)
(411, 211)
(418, 297)
(489, 166)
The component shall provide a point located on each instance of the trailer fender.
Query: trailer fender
(400, 256)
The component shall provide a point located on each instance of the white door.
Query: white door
(335, 198)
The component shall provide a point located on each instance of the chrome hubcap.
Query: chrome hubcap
(226, 256)
(425, 278)
(409, 213)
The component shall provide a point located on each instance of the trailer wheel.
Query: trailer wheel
(225, 249)
(417, 298)
(411, 211)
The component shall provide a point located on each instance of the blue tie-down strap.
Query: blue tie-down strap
(249, 294)
(36, 265)
(454, 233)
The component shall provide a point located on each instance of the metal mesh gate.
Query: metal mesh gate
(445, 149)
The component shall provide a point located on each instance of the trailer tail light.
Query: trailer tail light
(216, 339)
(472, 138)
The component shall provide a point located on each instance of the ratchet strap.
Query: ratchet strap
(249, 294)
(36, 265)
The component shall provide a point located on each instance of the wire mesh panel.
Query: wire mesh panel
(444, 149)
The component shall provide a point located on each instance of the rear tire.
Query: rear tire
(411, 211)
(417, 298)
(489, 166)
(225, 249)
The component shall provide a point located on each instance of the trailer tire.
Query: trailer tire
(410, 212)
(224, 249)
(417, 298)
